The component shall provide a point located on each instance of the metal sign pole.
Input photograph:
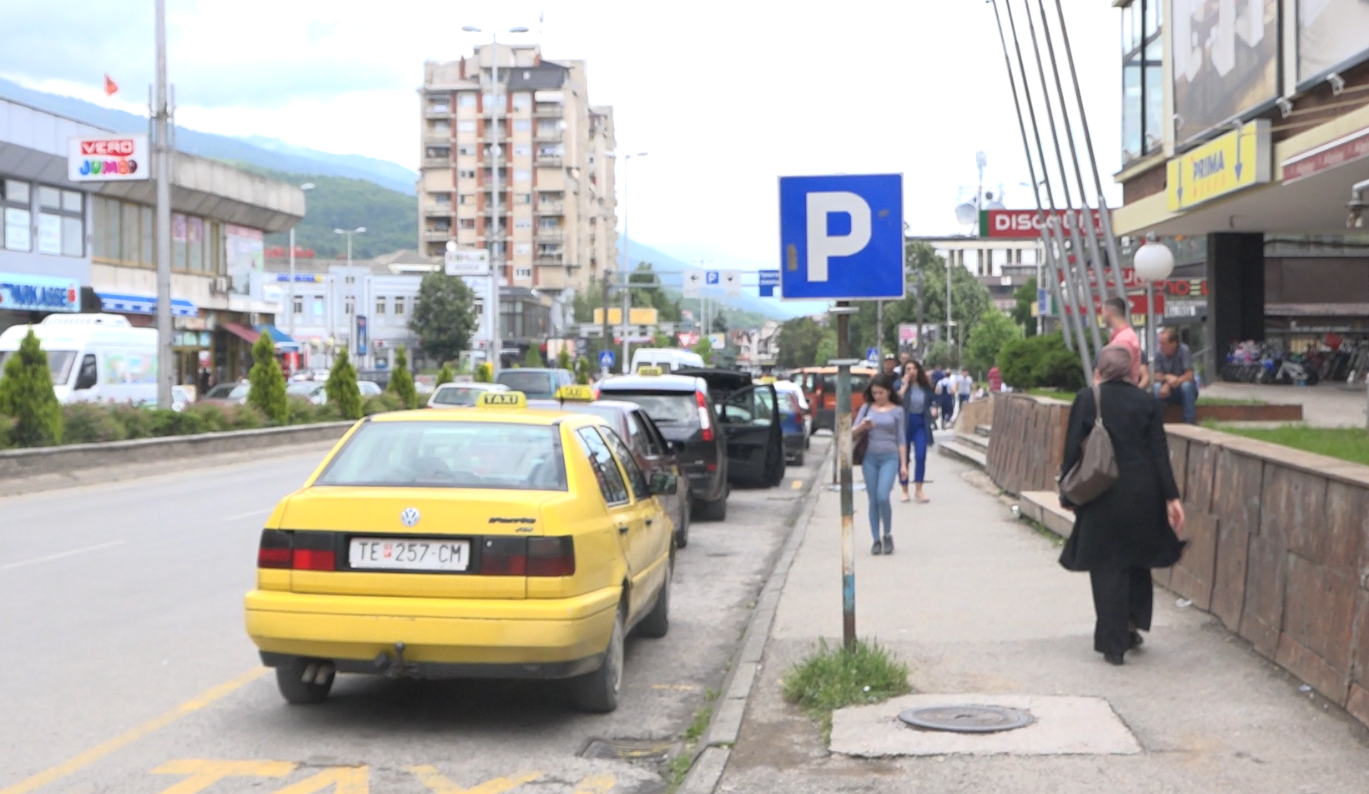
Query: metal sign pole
(843, 427)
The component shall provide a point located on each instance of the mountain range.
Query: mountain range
(350, 190)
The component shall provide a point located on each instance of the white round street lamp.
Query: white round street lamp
(1153, 262)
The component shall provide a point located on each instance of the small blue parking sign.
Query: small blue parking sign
(605, 359)
(841, 237)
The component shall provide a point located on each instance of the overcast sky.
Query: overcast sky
(725, 96)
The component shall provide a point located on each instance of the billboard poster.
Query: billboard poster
(1025, 225)
(1332, 34)
(117, 158)
(246, 254)
(1225, 61)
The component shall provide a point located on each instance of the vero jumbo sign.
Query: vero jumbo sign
(112, 158)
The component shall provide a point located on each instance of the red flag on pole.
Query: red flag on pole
(110, 86)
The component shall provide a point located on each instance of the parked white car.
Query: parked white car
(461, 395)
(93, 357)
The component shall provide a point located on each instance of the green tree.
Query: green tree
(705, 349)
(402, 380)
(1022, 312)
(484, 373)
(987, 338)
(343, 392)
(582, 371)
(445, 375)
(533, 359)
(798, 341)
(1040, 362)
(563, 360)
(662, 340)
(443, 316)
(827, 347)
(267, 382)
(27, 397)
(969, 300)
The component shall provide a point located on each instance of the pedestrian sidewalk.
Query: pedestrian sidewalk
(976, 604)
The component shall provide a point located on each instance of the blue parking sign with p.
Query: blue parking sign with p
(841, 237)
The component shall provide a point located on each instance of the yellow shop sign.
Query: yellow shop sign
(1235, 161)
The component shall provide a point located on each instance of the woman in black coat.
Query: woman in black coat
(1119, 536)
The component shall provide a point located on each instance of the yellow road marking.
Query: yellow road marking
(344, 779)
(596, 784)
(676, 687)
(99, 751)
(203, 773)
(797, 484)
(439, 784)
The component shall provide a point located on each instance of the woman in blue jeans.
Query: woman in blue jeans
(917, 406)
(886, 455)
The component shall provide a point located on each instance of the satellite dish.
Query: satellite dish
(994, 205)
(966, 214)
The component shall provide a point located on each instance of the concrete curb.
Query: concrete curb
(726, 723)
(50, 468)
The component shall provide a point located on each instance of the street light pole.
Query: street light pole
(307, 186)
(351, 291)
(162, 168)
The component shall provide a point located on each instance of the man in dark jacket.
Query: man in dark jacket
(1129, 529)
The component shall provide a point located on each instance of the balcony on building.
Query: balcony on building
(435, 156)
(548, 134)
(437, 107)
(550, 208)
(549, 110)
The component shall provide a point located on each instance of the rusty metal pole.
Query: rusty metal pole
(844, 311)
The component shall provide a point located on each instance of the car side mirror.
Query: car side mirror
(663, 483)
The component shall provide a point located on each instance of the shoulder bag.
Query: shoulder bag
(862, 442)
(1096, 470)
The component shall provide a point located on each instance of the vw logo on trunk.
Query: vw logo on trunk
(409, 517)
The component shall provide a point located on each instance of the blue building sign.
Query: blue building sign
(363, 338)
(39, 294)
(841, 237)
(769, 280)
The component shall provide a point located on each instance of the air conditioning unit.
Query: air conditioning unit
(220, 285)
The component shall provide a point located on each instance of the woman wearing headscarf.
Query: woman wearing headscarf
(1129, 529)
(916, 391)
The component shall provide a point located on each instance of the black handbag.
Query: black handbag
(863, 442)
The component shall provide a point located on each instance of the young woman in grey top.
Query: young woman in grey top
(886, 455)
(917, 405)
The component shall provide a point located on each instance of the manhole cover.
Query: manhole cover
(645, 752)
(967, 719)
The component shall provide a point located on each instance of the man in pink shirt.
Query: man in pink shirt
(1121, 333)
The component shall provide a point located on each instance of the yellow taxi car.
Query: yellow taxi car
(502, 542)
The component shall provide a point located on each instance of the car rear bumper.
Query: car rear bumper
(794, 443)
(547, 638)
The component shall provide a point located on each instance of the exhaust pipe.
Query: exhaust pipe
(322, 675)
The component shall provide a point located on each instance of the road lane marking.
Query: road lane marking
(677, 687)
(203, 773)
(342, 779)
(60, 555)
(596, 784)
(250, 514)
(439, 784)
(76, 763)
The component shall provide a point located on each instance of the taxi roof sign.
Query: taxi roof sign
(650, 372)
(767, 379)
(577, 393)
(502, 399)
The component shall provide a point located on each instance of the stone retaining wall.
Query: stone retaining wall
(1278, 539)
(17, 463)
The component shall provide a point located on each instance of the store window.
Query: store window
(1143, 88)
(17, 218)
(61, 222)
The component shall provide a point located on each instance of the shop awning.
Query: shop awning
(143, 304)
(284, 342)
(241, 331)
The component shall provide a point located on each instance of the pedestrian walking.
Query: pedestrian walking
(1121, 333)
(917, 398)
(881, 423)
(964, 387)
(1132, 527)
(945, 396)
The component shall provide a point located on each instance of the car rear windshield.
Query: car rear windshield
(536, 385)
(858, 383)
(457, 396)
(665, 408)
(450, 455)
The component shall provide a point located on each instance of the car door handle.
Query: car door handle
(622, 530)
(650, 521)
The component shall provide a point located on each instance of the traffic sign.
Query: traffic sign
(732, 283)
(606, 359)
(1043, 302)
(712, 277)
(841, 237)
(768, 280)
(872, 354)
(693, 283)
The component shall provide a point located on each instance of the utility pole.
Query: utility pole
(497, 235)
(608, 338)
(844, 360)
(165, 361)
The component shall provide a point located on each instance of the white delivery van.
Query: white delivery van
(93, 357)
(669, 359)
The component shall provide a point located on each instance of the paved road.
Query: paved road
(128, 669)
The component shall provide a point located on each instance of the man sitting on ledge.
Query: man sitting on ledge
(1172, 375)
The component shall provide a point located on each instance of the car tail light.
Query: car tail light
(504, 557)
(313, 560)
(551, 556)
(705, 421)
(274, 551)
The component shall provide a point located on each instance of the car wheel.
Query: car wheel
(597, 692)
(682, 531)
(657, 623)
(712, 511)
(291, 680)
(798, 459)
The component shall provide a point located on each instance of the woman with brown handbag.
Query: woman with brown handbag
(1120, 534)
